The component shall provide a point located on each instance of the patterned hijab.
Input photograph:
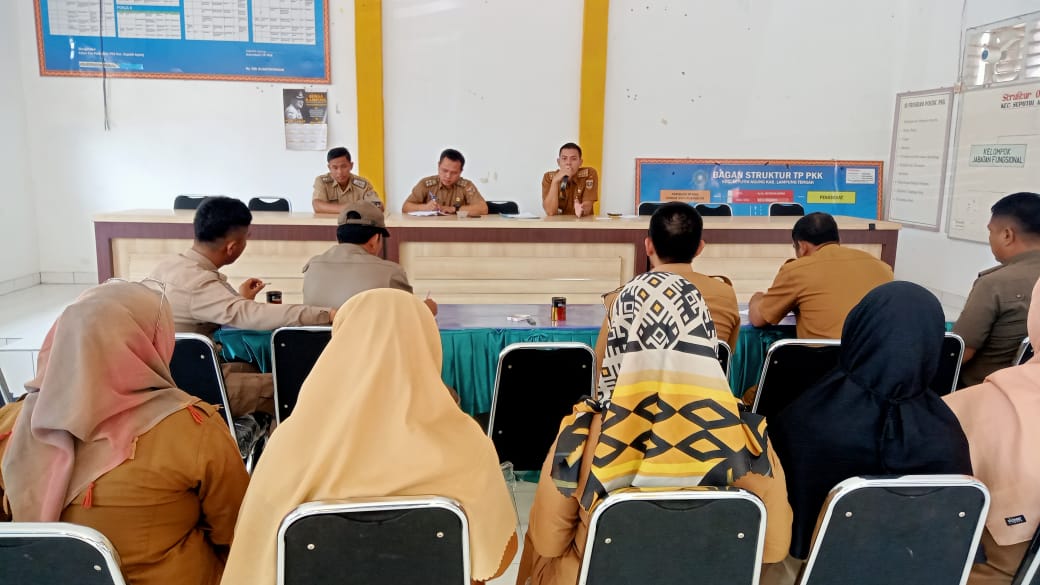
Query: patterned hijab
(669, 418)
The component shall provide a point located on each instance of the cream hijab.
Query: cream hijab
(103, 380)
(374, 419)
(999, 417)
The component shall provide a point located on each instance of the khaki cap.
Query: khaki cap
(371, 216)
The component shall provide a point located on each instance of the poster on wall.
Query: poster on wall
(238, 40)
(917, 167)
(305, 114)
(851, 188)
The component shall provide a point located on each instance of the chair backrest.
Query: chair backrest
(945, 380)
(791, 367)
(714, 210)
(269, 204)
(1025, 353)
(725, 353)
(56, 552)
(503, 207)
(5, 392)
(536, 385)
(1029, 569)
(791, 209)
(385, 541)
(196, 370)
(705, 535)
(649, 207)
(910, 529)
(188, 201)
(294, 350)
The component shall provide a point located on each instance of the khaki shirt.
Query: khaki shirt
(202, 300)
(994, 317)
(822, 288)
(720, 297)
(463, 192)
(584, 187)
(327, 189)
(344, 270)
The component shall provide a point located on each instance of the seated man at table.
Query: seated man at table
(446, 192)
(821, 284)
(673, 243)
(338, 187)
(202, 299)
(572, 188)
(355, 264)
(993, 321)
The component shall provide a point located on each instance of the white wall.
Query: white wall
(19, 256)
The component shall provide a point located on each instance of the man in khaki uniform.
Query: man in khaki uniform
(338, 187)
(446, 192)
(202, 300)
(355, 264)
(822, 284)
(572, 189)
(993, 322)
(673, 243)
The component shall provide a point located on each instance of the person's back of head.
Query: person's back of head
(814, 230)
(221, 229)
(675, 231)
(1015, 226)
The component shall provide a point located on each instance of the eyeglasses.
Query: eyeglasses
(150, 283)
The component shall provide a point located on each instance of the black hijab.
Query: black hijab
(874, 413)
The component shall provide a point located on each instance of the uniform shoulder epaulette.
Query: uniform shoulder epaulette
(464, 183)
(359, 182)
(583, 172)
(990, 270)
(326, 178)
(430, 181)
(721, 278)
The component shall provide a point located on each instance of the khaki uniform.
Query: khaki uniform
(822, 288)
(584, 187)
(994, 317)
(202, 301)
(327, 189)
(720, 297)
(463, 192)
(344, 270)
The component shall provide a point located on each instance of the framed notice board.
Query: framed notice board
(838, 187)
(239, 40)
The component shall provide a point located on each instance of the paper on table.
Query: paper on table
(422, 213)
(524, 215)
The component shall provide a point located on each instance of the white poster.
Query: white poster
(917, 167)
(305, 114)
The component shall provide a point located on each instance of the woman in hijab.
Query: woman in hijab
(376, 420)
(1000, 418)
(874, 413)
(660, 350)
(104, 439)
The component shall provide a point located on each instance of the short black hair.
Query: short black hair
(675, 231)
(572, 146)
(452, 154)
(349, 233)
(336, 153)
(815, 228)
(1023, 209)
(218, 216)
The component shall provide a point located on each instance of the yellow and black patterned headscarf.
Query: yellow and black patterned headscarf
(670, 419)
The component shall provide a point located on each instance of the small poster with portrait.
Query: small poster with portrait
(305, 115)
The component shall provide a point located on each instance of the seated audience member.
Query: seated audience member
(874, 414)
(571, 189)
(822, 284)
(661, 347)
(338, 187)
(202, 299)
(104, 439)
(993, 322)
(355, 264)
(397, 432)
(1000, 418)
(446, 192)
(674, 241)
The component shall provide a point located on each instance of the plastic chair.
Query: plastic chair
(269, 204)
(791, 367)
(910, 529)
(294, 350)
(536, 385)
(57, 552)
(700, 535)
(1029, 569)
(786, 209)
(649, 207)
(714, 210)
(949, 371)
(188, 201)
(502, 207)
(384, 541)
(5, 392)
(724, 353)
(1025, 353)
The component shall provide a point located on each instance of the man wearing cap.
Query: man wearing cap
(446, 192)
(355, 264)
(338, 187)
(571, 189)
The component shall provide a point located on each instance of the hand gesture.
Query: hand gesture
(251, 287)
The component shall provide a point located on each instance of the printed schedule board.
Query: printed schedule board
(240, 40)
(851, 188)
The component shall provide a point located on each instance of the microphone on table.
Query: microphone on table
(563, 183)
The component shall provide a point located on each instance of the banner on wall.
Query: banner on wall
(851, 188)
(305, 114)
(239, 40)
